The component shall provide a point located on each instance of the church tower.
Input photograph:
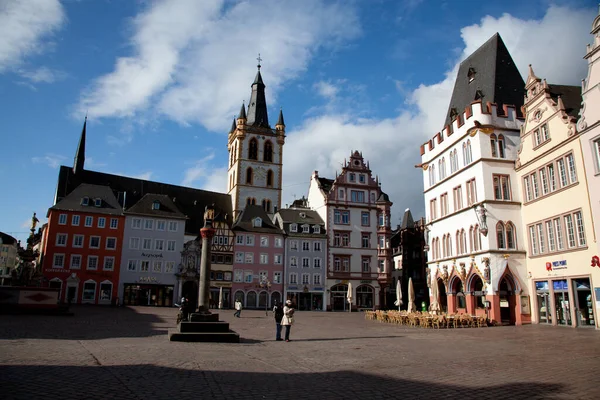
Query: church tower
(255, 154)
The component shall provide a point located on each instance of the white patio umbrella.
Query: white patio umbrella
(435, 294)
(411, 296)
(398, 301)
(349, 296)
(220, 297)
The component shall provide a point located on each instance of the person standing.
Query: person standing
(288, 319)
(278, 312)
(238, 308)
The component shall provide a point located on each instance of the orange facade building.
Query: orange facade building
(83, 244)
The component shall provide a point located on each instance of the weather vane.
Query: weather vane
(259, 60)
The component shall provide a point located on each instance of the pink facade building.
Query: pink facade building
(258, 259)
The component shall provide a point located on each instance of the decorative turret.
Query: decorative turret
(80, 154)
(280, 123)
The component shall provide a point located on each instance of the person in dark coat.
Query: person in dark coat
(278, 312)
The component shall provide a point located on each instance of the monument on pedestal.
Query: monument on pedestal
(202, 325)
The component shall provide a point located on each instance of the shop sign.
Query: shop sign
(554, 265)
(596, 261)
(219, 284)
(319, 288)
(159, 255)
(147, 279)
(366, 281)
(292, 287)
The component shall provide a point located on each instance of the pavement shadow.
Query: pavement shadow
(87, 323)
(153, 382)
(345, 338)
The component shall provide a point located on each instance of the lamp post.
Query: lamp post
(265, 283)
(481, 213)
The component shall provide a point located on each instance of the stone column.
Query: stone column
(207, 234)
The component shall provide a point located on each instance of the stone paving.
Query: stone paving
(124, 353)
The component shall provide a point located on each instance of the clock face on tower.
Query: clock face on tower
(260, 173)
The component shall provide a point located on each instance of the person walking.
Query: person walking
(238, 308)
(288, 319)
(278, 312)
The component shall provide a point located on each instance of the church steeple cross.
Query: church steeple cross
(259, 60)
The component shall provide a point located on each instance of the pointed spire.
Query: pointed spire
(532, 78)
(561, 105)
(280, 119)
(242, 112)
(531, 73)
(80, 154)
(257, 109)
(233, 126)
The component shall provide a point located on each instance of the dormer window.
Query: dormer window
(478, 95)
(316, 229)
(257, 222)
(155, 205)
(305, 229)
(98, 202)
(453, 113)
(293, 228)
(471, 74)
(85, 201)
(302, 215)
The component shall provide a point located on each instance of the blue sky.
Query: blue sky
(161, 80)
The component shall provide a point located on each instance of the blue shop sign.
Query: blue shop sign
(560, 285)
(318, 288)
(292, 287)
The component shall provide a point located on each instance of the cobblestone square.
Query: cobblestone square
(124, 353)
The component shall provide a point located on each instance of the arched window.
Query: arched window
(458, 248)
(501, 152)
(253, 149)
(269, 178)
(459, 290)
(268, 152)
(469, 154)
(234, 178)
(477, 290)
(463, 241)
(493, 141)
(511, 242)
(455, 160)
(437, 247)
(452, 162)
(235, 152)
(500, 235)
(477, 238)
(249, 175)
(465, 154)
(268, 209)
(251, 201)
(444, 255)
(431, 175)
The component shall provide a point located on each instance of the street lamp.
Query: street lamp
(265, 283)
(481, 213)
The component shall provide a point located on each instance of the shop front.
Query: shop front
(306, 299)
(215, 296)
(143, 294)
(565, 301)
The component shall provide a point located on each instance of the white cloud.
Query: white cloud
(202, 174)
(554, 45)
(50, 159)
(144, 175)
(24, 28)
(42, 75)
(190, 58)
(326, 89)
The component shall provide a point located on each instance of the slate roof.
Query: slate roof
(189, 201)
(326, 184)
(167, 208)
(407, 220)
(72, 202)
(7, 239)
(383, 197)
(293, 215)
(570, 95)
(248, 214)
(496, 77)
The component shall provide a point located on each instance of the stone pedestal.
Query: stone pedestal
(204, 328)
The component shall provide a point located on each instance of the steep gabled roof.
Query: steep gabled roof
(257, 108)
(570, 96)
(73, 201)
(189, 201)
(489, 74)
(166, 207)
(7, 239)
(325, 184)
(246, 217)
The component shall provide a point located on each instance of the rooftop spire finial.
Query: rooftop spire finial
(259, 60)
